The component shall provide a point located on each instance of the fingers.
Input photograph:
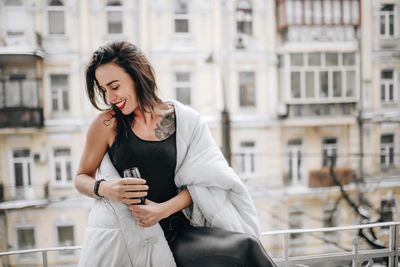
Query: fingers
(130, 180)
(135, 194)
(131, 201)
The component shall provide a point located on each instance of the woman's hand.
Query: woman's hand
(149, 214)
(126, 190)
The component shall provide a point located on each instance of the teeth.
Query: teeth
(120, 104)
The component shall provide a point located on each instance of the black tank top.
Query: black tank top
(156, 161)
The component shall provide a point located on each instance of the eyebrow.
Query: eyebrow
(112, 82)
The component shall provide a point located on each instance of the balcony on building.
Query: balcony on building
(318, 61)
(20, 83)
(319, 20)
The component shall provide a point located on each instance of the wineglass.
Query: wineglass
(134, 172)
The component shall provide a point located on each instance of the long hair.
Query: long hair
(129, 57)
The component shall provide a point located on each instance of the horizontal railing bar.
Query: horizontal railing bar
(336, 256)
(329, 229)
(38, 250)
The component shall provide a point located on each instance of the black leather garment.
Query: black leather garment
(213, 247)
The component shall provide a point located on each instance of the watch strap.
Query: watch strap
(97, 186)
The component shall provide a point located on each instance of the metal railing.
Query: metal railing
(356, 257)
(42, 251)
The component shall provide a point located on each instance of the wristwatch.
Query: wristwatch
(97, 186)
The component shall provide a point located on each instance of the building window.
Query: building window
(56, 16)
(387, 151)
(183, 87)
(114, 17)
(245, 159)
(59, 93)
(25, 238)
(387, 86)
(330, 219)
(387, 20)
(22, 169)
(244, 17)
(296, 218)
(62, 165)
(14, 18)
(181, 17)
(317, 75)
(18, 91)
(387, 210)
(294, 161)
(247, 89)
(66, 238)
(329, 152)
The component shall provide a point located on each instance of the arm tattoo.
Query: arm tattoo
(166, 126)
(107, 122)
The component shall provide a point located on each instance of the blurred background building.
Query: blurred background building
(288, 88)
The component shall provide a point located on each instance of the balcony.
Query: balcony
(23, 193)
(322, 110)
(20, 83)
(318, 20)
(19, 102)
(23, 117)
(350, 248)
(322, 177)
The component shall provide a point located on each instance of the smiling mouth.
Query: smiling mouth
(120, 105)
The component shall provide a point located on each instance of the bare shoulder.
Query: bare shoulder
(103, 126)
(106, 119)
(166, 123)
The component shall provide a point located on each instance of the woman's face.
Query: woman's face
(118, 86)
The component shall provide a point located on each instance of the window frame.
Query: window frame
(386, 14)
(330, 149)
(114, 7)
(57, 93)
(385, 151)
(246, 159)
(244, 86)
(58, 244)
(56, 8)
(241, 20)
(21, 10)
(181, 17)
(22, 191)
(63, 161)
(183, 84)
(347, 73)
(385, 86)
(295, 145)
(17, 245)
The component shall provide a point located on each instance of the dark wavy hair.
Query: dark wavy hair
(130, 58)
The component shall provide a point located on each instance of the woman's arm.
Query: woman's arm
(152, 212)
(98, 137)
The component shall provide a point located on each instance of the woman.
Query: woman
(186, 180)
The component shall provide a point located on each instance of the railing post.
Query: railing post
(44, 256)
(355, 242)
(285, 248)
(393, 261)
